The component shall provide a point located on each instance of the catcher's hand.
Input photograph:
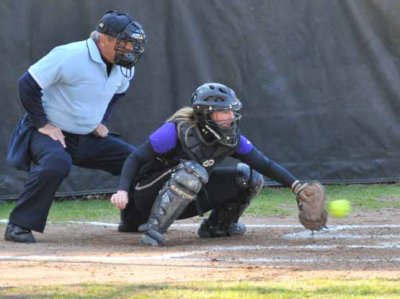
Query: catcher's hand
(311, 199)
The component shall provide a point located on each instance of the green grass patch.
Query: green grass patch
(281, 202)
(271, 202)
(74, 210)
(284, 288)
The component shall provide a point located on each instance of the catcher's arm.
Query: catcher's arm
(312, 216)
(311, 198)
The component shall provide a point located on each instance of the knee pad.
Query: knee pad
(248, 179)
(188, 180)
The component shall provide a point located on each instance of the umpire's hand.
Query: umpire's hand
(120, 199)
(54, 133)
(101, 131)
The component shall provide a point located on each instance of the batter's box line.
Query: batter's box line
(195, 225)
(301, 261)
(316, 247)
(178, 256)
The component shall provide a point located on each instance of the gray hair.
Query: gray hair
(95, 35)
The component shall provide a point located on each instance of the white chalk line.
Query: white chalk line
(175, 225)
(177, 257)
(297, 261)
(333, 235)
(303, 247)
(187, 256)
(96, 259)
(195, 225)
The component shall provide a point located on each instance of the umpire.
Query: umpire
(68, 96)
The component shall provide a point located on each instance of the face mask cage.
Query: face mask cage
(129, 47)
(225, 134)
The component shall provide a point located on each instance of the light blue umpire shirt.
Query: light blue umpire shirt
(75, 85)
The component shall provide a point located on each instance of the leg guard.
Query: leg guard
(182, 188)
(223, 221)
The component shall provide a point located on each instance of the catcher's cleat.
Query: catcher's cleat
(153, 237)
(238, 228)
(16, 233)
(206, 230)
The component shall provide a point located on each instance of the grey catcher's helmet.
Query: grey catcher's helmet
(211, 97)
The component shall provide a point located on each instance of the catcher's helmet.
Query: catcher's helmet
(125, 30)
(211, 97)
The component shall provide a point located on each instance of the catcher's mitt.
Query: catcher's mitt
(311, 199)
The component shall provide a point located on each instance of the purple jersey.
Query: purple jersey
(165, 139)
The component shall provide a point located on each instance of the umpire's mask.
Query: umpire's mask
(130, 36)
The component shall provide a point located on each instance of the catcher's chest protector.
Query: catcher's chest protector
(197, 149)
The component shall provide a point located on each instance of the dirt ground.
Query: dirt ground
(363, 245)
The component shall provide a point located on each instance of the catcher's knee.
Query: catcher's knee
(248, 179)
(189, 178)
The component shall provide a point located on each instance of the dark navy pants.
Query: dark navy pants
(221, 189)
(52, 164)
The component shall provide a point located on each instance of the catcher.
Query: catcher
(173, 175)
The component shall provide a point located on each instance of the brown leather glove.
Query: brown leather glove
(311, 199)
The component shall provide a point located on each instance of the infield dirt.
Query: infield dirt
(365, 245)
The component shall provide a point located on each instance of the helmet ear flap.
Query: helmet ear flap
(193, 98)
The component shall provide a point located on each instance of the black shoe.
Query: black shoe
(237, 229)
(207, 230)
(18, 234)
(126, 228)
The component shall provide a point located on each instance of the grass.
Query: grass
(271, 202)
(74, 210)
(280, 201)
(282, 288)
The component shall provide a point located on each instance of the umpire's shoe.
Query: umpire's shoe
(18, 234)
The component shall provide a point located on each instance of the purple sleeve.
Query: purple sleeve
(164, 138)
(245, 146)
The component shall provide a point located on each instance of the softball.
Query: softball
(339, 208)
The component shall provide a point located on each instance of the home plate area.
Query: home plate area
(272, 247)
(359, 246)
(340, 246)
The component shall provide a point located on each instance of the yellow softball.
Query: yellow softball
(339, 208)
